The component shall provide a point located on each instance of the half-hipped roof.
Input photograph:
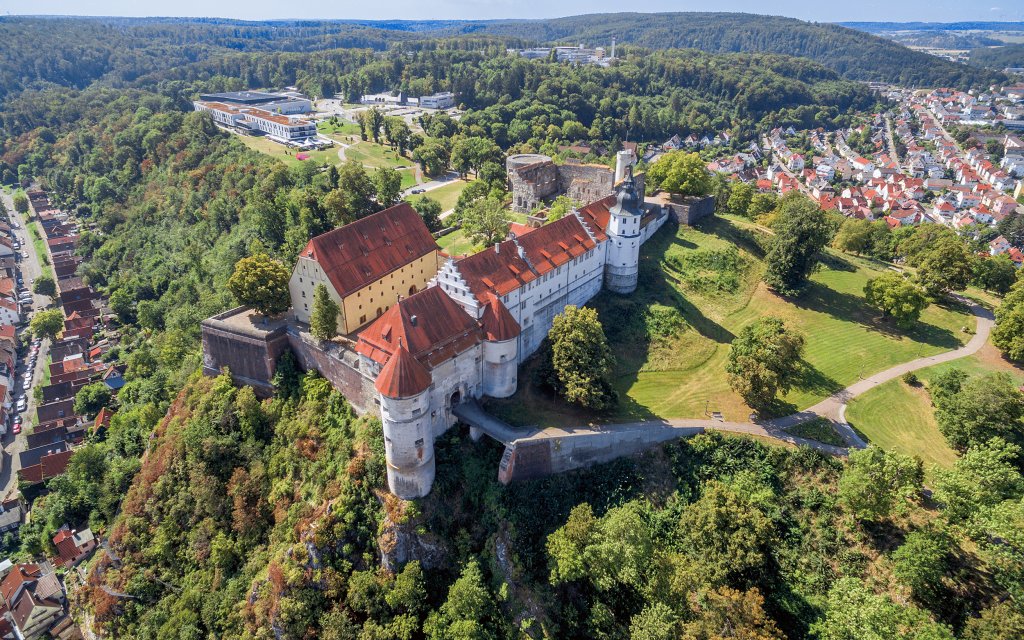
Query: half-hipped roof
(368, 249)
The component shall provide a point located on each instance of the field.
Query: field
(286, 154)
(898, 416)
(682, 373)
(375, 155)
(447, 195)
(340, 131)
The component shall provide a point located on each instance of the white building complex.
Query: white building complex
(252, 112)
(465, 335)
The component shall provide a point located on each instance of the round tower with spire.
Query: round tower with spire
(622, 264)
(403, 384)
(500, 349)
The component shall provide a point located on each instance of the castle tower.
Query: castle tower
(622, 263)
(501, 349)
(405, 412)
(623, 160)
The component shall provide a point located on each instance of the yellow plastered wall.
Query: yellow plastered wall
(366, 304)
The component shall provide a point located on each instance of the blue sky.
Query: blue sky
(865, 10)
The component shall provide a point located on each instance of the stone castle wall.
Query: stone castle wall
(249, 351)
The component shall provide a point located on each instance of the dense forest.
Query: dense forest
(1011, 55)
(119, 51)
(271, 520)
(853, 54)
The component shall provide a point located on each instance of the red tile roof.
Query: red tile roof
(497, 322)
(500, 269)
(366, 250)
(402, 376)
(596, 216)
(556, 243)
(429, 324)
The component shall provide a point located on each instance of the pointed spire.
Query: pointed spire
(402, 376)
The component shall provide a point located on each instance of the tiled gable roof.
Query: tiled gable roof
(429, 324)
(366, 250)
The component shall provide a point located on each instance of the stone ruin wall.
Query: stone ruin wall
(533, 184)
(585, 183)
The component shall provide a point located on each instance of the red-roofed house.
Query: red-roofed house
(73, 545)
(367, 266)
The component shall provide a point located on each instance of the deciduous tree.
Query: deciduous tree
(682, 173)
(876, 482)
(581, 359)
(261, 282)
(47, 324)
(764, 360)
(802, 230)
(898, 297)
(486, 221)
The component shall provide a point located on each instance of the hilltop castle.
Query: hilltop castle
(441, 329)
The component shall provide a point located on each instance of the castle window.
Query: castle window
(362, 319)
(303, 294)
(419, 442)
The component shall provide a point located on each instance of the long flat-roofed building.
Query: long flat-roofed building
(272, 102)
(279, 127)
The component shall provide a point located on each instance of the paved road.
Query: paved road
(31, 268)
(436, 183)
(832, 408)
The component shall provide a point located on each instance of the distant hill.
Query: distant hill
(120, 50)
(854, 54)
(1011, 55)
(884, 27)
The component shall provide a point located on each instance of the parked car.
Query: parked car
(24, 254)
(22, 403)
(15, 225)
(414, 191)
(16, 429)
(17, 419)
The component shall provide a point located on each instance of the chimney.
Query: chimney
(497, 248)
(412, 320)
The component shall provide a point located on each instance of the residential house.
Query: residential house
(72, 545)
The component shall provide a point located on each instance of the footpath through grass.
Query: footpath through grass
(698, 288)
(900, 417)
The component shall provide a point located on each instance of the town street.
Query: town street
(31, 268)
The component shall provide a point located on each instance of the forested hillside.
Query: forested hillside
(1011, 55)
(75, 52)
(270, 519)
(119, 51)
(853, 54)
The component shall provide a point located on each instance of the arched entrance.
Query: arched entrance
(455, 398)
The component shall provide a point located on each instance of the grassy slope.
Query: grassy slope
(287, 155)
(897, 416)
(685, 376)
(447, 195)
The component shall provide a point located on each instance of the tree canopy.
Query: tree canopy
(764, 360)
(261, 282)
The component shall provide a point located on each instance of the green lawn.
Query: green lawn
(447, 195)
(408, 178)
(344, 128)
(900, 417)
(683, 375)
(40, 246)
(458, 243)
(376, 155)
(287, 154)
